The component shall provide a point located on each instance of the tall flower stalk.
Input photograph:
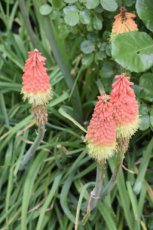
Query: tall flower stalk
(114, 121)
(101, 144)
(37, 90)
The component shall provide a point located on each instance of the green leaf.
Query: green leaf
(145, 122)
(97, 22)
(134, 204)
(146, 84)
(107, 70)
(143, 110)
(87, 60)
(61, 57)
(48, 200)
(151, 117)
(147, 154)
(144, 116)
(45, 9)
(100, 55)
(85, 17)
(56, 3)
(107, 214)
(70, 1)
(109, 5)
(28, 187)
(71, 15)
(145, 12)
(90, 4)
(133, 51)
(126, 3)
(146, 81)
(82, 194)
(124, 199)
(68, 116)
(64, 197)
(87, 47)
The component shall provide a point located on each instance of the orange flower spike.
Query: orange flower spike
(125, 107)
(122, 86)
(36, 86)
(124, 22)
(101, 132)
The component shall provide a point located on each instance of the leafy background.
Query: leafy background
(74, 36)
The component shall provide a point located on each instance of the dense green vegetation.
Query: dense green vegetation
(74, 36)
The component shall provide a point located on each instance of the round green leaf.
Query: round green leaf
(146, 83)
(144, 116)
(85, 17)
(87, 46)
(71, 15)
(97, 22)
(100, 55)
(133, 51)
(109, 5)
(91, 4)
(145, 122)
(45, 9)
(143, 110)
(145, 12)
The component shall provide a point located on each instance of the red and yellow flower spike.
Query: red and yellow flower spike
(124, 22)
(125, 107)
(36, 85)
(101, 132)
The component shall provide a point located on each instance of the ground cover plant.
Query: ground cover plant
(86, 44)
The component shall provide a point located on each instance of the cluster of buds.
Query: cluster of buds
(114, 121)
(36, 86)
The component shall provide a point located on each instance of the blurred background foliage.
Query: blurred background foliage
(74, 36)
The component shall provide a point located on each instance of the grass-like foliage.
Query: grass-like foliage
(82, 59)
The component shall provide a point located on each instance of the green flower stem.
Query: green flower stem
(108, 188)
(27, 23)
(95, 195)
(99, 192)
(31, 152)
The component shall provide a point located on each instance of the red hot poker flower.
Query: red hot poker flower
(36, 86)
(124, 22)
(101, 132)
(125, 107)
(122, 86)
